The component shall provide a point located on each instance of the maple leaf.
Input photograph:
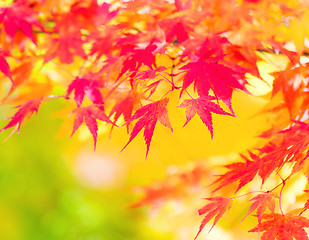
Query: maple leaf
(152, 88)
(208, 75)
(89, 115)
(18, 16)
(260, 203)
(137, 58)
(174, 30)
(203, 106)
(215, 209)
(65, 47)
(148, 116)
(182, 6)
(5, 68)
(103, 42)
(84, 14)
(212, 46)
(306, 205)
(21, 73)
(149, 74)
(177, 185)
(124, 107)
(278, 47)
(82, 86)
(25, 111)
(242, 172)
(292, 83)
(278, 226)
(245, 57)
(286, 146)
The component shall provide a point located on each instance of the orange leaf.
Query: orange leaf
(260, 203)
(25, 110)
(90, 114)
(215, 209)
(278, 226)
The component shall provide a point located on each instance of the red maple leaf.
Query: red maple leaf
(4, 66)
(103, 42)
(139, 57)
(182, 6)
(82, 86)
(286, 146)
(25, 111)
(203, 106)
(208, 75)
(85, 14)
(66, 46)
(89, 114)
(206, 49)
(260, 203)
(242, 172)
(149, 74)
(152, 88)
(215, 209)
(148, 116)
(18, 16)
(174, 29)
(124, 107)
(278, 226)
(213, 46)
(278, 47)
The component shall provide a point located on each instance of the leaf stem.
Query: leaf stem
(280, 197)
(248, 194)
(283, 182)
(188, 94)
(166, 79)
(167, 93)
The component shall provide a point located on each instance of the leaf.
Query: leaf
(66, 46)
(306, 205)
(148, 116)
(175, 30)
(103, 42)
(152, 88)
(149, 74)
(124, 107)
(278, 226)
(21, 74)
(215, 209)
(286, 146)
(5, 68)
(203, 107)
(137, 58)
(208, 75)
(176, 185)
(18, 16)
(86, 14)
(242, 172)
(82, 86)
(25, 111)
(89, 115)
(182, 6)
(260, 203)
(291, 82)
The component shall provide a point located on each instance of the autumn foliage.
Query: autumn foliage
(120, 62)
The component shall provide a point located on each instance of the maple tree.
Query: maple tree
(121, 62)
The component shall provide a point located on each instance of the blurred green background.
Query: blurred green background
(42, 195)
